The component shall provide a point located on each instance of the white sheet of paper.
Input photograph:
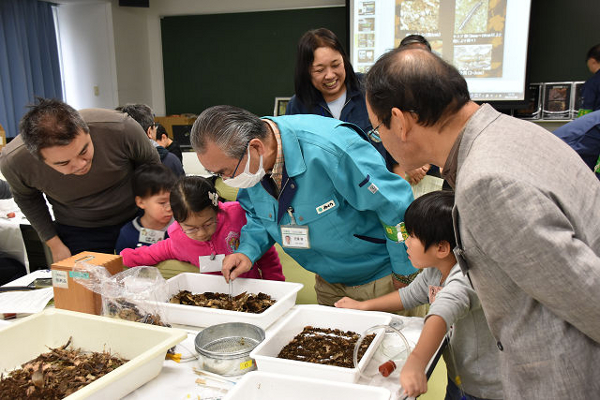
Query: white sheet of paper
(208, 265)
(428, 184)
(26, 302)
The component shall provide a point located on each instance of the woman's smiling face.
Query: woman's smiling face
(328, 74)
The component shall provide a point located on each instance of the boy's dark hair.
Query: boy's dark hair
(429, 218)
(594, 53)
(152, 179)
(160, 131)
(190, 196)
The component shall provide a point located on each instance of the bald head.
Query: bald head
(415, 80)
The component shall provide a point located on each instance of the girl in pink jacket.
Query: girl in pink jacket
(204, 227)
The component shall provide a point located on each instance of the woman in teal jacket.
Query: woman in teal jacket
(335, 197)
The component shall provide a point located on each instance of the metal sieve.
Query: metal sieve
(225, 348)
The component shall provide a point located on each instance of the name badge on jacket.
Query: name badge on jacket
(150, 235)
(212, 263)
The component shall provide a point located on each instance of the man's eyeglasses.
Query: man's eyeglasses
(220, 175)
(373, 134)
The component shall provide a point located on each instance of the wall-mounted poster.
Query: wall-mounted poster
(557, 100)
(280, 105)
(577, 98)
(533, 110)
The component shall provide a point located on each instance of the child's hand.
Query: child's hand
(412, 377)
(234, 265)
(347, 302)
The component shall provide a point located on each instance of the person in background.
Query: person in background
(472, 355)
(327, 85)
(5, 190)
(525, 217)
(591, 89)
(145, 117)
(10, 269)
(419, 42)
(316, 180)
(205, 229)
(583, 135)
(163, 139)
(414, 42)
(83, 162)
(152, 189)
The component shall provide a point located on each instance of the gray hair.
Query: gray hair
(230, 128)
(140, 112)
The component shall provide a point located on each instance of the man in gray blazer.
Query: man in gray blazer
(527, 220)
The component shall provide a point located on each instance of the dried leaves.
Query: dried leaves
(243, 302)
(57, 374)
(123, 309)
(325, 346)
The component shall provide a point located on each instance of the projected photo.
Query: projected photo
(366, 56)
(471, 16)
(366, 40)
(420, 15)
(366, 8)
(366, 24)
(484, 39)
(473, 60)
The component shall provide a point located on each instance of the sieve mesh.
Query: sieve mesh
(230, 344)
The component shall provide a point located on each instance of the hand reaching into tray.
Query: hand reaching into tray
(234, 265)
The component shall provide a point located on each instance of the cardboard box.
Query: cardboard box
(70, 295)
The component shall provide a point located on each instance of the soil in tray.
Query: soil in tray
(325, 346)
(57, 374)
(243, 302)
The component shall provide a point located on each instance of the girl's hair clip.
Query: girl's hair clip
(214, 197)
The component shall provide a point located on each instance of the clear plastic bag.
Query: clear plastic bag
(136, 294)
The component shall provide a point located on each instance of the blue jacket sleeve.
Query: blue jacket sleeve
(363, 180)
(254, 238)
(294, 107)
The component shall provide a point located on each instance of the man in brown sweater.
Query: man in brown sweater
(83, 162)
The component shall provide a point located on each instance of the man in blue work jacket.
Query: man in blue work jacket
(314, 186)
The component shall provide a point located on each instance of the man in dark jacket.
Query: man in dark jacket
(145, 117)
(163, 139)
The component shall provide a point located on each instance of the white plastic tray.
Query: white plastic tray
(266, 352)
(259, 385)
(143, 345)
(284, 292)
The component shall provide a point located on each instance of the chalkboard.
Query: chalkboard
(241, 59)
(561, 35)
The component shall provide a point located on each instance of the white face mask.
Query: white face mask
(246, 179)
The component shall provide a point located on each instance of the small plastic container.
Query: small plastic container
(390, 352)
